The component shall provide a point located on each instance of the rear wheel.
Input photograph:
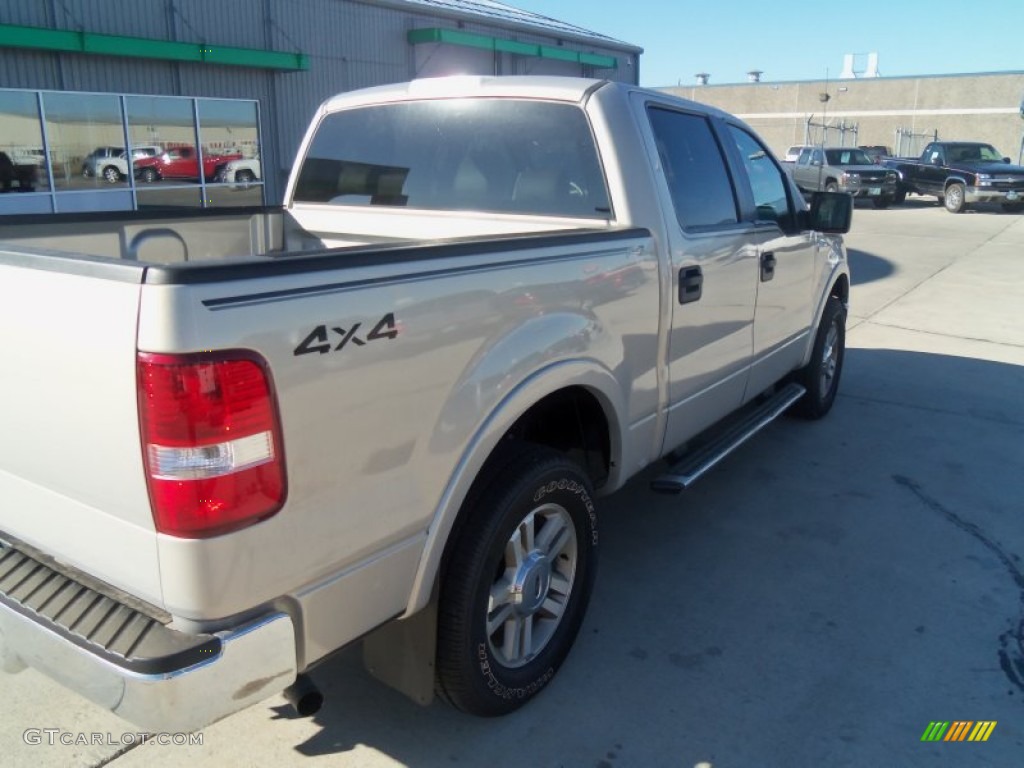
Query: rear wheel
(954, 198)
(881, 202)
(111, 175)
(148, 175)
(516, 582)
(245, 177)
(820, 377)
(900, 197)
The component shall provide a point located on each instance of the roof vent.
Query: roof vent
(702, 78)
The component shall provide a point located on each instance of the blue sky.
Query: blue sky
(790, 40)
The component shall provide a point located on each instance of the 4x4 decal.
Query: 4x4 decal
(319, 339)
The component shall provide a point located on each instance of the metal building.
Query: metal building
(82, 80)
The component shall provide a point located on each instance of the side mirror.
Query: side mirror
(1006, 160)
(831, 212)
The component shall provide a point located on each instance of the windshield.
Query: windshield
(973, 153)
(847, 157)
(501, 155)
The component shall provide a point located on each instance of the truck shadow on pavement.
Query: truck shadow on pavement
(861, 573)
(867, 267)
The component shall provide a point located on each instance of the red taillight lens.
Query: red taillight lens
(211, 442)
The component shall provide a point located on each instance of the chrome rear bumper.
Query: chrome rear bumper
(153, 676)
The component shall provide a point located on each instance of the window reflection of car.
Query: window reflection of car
(110, 163)
(241, 172)
(27, 156)
(182, 163)
(14, 173)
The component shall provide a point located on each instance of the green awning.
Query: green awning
(470, 40)
(65, 41)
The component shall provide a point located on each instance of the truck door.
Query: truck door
(787, 261)
(713, 268)
(933, 170)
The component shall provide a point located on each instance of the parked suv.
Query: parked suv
(845, 169)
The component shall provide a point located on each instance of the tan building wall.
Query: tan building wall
(983, 107)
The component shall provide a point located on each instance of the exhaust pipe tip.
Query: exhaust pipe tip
(304, 696)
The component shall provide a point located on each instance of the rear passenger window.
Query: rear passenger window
(694, 169)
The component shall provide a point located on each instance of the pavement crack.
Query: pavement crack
(926, 332)
(1011, 642)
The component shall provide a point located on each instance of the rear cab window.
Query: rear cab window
(510, 156)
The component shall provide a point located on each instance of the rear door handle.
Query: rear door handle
(767, 266)
(691, 281)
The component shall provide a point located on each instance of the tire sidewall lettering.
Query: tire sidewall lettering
(503, 691)
(571, 486)
(494, 675)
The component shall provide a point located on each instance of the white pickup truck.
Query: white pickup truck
(234, 443)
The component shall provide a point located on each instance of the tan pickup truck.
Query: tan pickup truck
(234, 443)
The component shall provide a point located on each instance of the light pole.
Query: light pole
(824, 99)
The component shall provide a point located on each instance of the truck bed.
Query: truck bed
(300, 311)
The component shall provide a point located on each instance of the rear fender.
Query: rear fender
(585, 373)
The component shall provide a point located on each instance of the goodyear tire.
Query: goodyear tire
(820, 377)
(516, 582)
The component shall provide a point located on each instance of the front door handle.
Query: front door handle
(691, 281)
(767, 266)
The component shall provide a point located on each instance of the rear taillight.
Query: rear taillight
(211, 442)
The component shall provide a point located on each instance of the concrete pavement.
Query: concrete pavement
(817, 600)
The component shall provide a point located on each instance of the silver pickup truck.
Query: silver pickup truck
(234, 443)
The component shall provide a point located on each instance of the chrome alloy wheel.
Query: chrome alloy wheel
(829, 360)
(533, 583)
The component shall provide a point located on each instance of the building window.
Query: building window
(66, 151)
(24, 180)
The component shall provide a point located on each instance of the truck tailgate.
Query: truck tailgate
(71, 476)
